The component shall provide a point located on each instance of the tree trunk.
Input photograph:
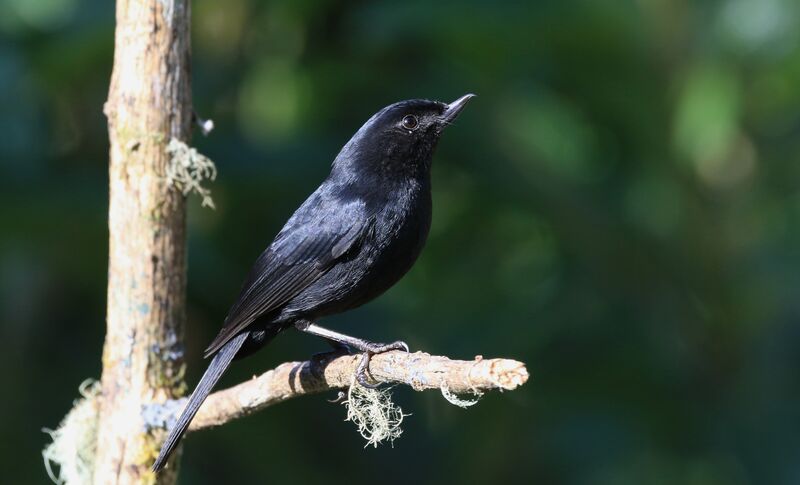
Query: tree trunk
(149, 103)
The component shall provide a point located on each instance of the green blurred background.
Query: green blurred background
(618, 208)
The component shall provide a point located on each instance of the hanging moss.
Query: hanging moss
(75, 440)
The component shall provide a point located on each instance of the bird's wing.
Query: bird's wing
(305, 249)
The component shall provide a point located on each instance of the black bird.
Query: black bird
(350, 241)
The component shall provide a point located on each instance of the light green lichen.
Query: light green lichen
(188, 169)
(375, 415)
(453, 399)
(75, 440)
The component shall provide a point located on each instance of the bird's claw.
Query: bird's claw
(363, 365)
(361, 372)
(381, 348)
(399, 345)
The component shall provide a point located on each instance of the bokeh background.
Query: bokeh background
(618, 208)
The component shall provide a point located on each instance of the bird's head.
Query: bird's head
(399, 140)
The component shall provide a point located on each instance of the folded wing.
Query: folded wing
(306, 248)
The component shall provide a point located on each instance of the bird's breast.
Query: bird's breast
(398, 236)
(386, 253)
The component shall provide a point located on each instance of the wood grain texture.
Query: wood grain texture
(149, 103)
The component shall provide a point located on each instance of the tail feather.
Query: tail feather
(218, 365)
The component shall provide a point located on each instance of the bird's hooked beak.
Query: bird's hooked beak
(454, 108)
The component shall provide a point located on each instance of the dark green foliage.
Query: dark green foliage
(634, 167)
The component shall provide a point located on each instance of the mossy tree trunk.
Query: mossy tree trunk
(149, 103)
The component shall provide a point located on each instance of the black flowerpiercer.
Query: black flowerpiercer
(350, 241)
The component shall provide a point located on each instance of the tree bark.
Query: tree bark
(419, 370)
(149, 103)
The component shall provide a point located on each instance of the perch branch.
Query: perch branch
(418, 370)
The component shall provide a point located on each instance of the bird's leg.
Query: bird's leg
(367, 348)
(342, 340)
(338, 346)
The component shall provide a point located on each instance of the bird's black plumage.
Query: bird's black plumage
(350, 241)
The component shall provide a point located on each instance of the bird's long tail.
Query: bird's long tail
(218, 365)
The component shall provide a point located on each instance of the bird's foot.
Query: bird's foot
(370, 349)
(367, 348)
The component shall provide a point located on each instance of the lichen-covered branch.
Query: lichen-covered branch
(418, 370)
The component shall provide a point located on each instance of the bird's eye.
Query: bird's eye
(410, 122)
